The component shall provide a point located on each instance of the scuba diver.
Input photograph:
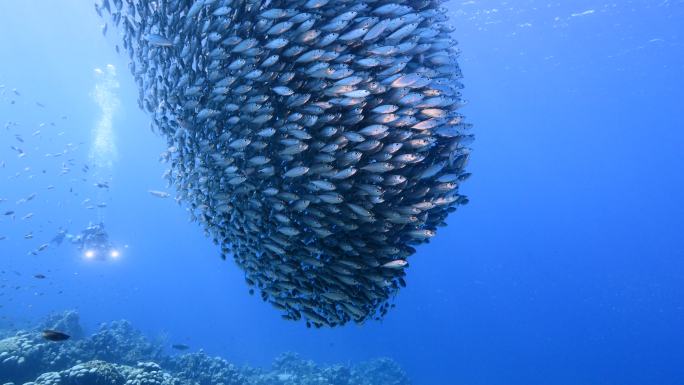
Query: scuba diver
(93, 241)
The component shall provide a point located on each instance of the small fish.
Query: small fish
(159, 194)
(61, 234)
(39, 276)
(323, 130)
(180, 346)
(158, 40)
(53, 335)
(396, 264)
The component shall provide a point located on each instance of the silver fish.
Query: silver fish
(158, 40)
(316, 142)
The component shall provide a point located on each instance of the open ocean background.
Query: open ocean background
(567, 266)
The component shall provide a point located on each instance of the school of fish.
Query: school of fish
(316, 141)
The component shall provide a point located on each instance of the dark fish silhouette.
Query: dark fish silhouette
(53, 335)
(59, 238)
(40, 276)
(180, 346)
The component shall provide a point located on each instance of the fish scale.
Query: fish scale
(300, 126)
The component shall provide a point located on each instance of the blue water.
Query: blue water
(567, 266)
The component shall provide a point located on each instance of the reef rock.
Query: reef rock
(201, 369)
(103, 373)
(67, 322)
(118, 354)
(121, 343)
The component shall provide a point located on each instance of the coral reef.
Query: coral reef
(120, 343)
(118, 354)
(379, 371)
(103, 373)
(68, 322)
(26, 353)
(201, 369)
(92, 372)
